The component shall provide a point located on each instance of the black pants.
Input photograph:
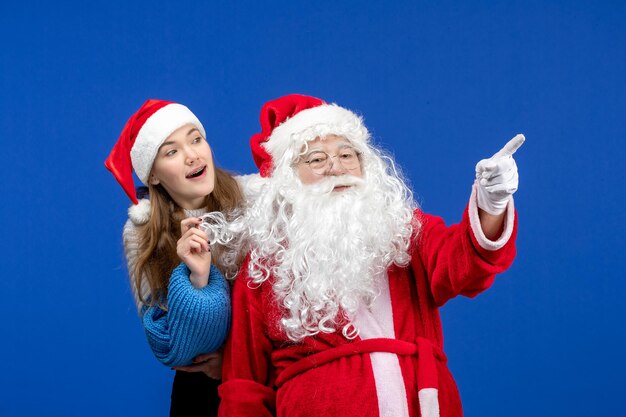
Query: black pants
(194, 394)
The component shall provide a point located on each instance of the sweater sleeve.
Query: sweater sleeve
(247, 388)
(459, 259)
(196, 320)
(130, 237)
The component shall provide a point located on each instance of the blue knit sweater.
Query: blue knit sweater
(196, 320)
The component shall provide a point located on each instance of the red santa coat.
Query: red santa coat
(396, 367)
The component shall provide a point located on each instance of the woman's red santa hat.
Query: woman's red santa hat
(305, 117)
(139, 143)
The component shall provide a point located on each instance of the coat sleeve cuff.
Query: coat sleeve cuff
(481, 239)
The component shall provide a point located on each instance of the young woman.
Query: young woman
(177, 278)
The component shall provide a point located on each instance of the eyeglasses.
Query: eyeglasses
(320, 162)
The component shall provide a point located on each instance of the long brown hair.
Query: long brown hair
(157, 258)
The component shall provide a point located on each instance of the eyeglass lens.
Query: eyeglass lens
(320, 161)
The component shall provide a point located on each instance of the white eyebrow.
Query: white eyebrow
(341, 145)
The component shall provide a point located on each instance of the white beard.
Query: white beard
(324, 249)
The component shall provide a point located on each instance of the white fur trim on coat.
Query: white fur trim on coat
(429, 402)
(477, 229)
(251, 185)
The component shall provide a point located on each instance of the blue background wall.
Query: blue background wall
(441, 85)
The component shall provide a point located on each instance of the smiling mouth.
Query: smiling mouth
(341, 187)
(197, 173)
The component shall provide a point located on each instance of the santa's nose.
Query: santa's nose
(335, 167)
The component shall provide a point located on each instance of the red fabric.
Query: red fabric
(445, 262)
(274, 113)
(260, 400)
(424, 350)
(119, 161)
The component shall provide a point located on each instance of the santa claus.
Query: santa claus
(335, 311)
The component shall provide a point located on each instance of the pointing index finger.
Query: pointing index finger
(511, 146)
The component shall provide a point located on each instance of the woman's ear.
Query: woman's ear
(154, 180)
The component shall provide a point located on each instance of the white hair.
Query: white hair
(323, 249)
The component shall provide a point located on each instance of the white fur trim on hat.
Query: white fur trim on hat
(320, 121)
(154, 132)
(140, 213)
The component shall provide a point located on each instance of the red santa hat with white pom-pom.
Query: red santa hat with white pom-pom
(292, 115)
(139, 143)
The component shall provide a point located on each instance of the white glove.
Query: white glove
(497, 178)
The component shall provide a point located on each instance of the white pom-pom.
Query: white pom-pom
(140, 213)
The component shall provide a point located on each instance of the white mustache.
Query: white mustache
(328, 184)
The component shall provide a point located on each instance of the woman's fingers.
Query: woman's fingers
(198, 243)
(189, 223)
(206, 356)
(209, 368)
(196, 232)
(194, 250)
(192, 243)
(194, 239)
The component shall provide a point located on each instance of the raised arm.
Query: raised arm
(463, 259)
(196, 320)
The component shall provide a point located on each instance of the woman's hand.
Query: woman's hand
(193, 249)
(209, 363)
